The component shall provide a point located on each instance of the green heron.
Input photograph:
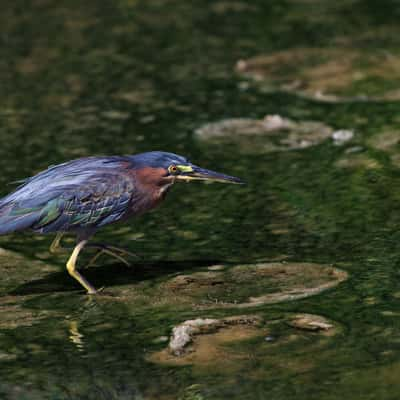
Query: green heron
(81, 196)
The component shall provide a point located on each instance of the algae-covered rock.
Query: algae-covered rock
(184, 333)
(201, 340)
(328, 74)
(269, 134)
(193, 281)
(250, 285)
(217, 342)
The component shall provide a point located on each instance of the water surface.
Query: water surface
(98, 78)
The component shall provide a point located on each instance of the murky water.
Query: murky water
(96, 77)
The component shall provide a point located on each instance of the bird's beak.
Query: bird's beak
(191, 173)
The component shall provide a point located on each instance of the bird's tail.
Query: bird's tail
(14, 218)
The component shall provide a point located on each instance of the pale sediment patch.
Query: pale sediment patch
(327, 74)
(270, 134)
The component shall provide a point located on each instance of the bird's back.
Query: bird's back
(80, 194)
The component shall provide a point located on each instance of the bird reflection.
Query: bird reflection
(75, 336)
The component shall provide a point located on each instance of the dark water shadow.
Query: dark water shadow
(109, 275)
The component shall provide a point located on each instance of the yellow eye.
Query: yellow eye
(173, 169)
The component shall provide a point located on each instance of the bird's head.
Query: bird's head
(170, 168)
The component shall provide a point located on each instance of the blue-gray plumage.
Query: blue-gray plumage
(82, 195)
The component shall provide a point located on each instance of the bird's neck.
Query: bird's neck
(152, 187)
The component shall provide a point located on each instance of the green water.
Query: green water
(97, 77)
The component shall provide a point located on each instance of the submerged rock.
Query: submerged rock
(250, 285)
(201, 340)
(311, 322)
(358, 160)
(294, 280)
(183, 334)
(387, 141)
(332, 75)
(205, 342)
(186, 283)
(342, 136)
(272, 133)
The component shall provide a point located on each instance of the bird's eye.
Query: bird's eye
(173, 169)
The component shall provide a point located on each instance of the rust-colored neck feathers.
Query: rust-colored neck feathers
(152, 184)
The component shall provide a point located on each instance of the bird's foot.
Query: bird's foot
(94, 291)
(101, 293)
(56, 247)
(119, 250)
(112, 251)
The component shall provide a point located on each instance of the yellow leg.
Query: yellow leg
(71, 267)
(55, 246)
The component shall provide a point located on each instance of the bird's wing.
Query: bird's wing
(83, 193)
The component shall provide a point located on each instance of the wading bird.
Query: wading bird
(83, 195)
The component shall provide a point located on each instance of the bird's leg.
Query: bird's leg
(55, 246)
(109, 252)
(104, 246)
(93, 259)
(113, 251)
(71, 267)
